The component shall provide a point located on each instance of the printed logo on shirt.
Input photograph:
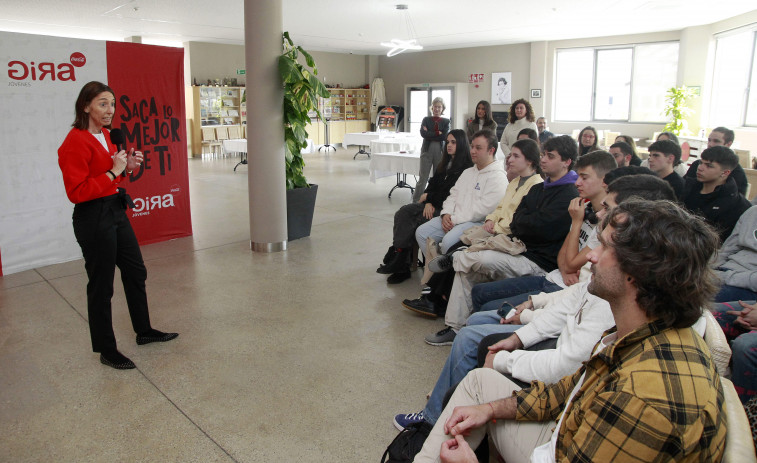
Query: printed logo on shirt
(477, 187)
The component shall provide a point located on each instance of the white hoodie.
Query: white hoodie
(476, 193)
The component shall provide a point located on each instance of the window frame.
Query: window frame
(595, 51)
(751, 29)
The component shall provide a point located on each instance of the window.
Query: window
(625, 83)
(734, 83)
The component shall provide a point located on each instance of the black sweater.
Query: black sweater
(542, 222)
(722, 208)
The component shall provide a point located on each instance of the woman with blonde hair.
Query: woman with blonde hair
(434, 131)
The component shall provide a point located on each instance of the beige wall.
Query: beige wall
(455, 66)
(216, 61)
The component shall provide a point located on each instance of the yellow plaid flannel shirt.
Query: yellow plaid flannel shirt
(653, 395)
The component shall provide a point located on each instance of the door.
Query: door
(419, 101)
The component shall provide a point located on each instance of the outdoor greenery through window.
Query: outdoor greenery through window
(622, 83)
(734, 86)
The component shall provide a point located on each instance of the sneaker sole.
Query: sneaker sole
(442, 343)
(397, 425)
(426, 314)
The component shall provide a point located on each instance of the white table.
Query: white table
(239, 145)
(401, 141)
(361, 139)
(401, 164)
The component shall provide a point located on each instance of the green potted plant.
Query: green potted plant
(676, 108)
(301, 91)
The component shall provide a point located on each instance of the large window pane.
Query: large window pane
(654, 72)
(733, 55)
(573, 87)
(751, 111)
(613, 87)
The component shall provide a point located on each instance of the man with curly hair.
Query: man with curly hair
(650, 391)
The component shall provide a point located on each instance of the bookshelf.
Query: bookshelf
(215, 107)
(349, 110)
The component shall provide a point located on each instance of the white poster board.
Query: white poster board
(38, 89)
(502, 84)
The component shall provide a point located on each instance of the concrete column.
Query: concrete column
(263, 24)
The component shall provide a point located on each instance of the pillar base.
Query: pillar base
(268, 247)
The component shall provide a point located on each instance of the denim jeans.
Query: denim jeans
(744, 346)
(433, 228)
(729, 293)
(490, 296)
(461, 360)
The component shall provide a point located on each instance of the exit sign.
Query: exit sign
(241, 72)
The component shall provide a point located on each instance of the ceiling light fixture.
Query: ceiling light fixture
(398, 46)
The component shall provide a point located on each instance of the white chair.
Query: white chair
(210, 141)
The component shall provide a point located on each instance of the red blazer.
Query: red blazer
(84, 163)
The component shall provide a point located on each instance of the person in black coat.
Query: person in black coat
(455, 160)
(721, 136)
(434, 130)
(714, 194)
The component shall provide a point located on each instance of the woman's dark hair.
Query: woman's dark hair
(461, 160)
(86, 95)
(529, 111)
(502, 79)
(671, 136)
(488, 109)
(530, 133)
(667, 252)
(531, 152)
(581, 148)
(630, 142)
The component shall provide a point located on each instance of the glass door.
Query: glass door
(419, 101)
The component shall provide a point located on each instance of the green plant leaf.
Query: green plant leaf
(308, 59)
(289, 70)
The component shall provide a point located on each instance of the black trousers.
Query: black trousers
(406, 220)
(107, 240)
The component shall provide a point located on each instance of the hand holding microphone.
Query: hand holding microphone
(132, 161)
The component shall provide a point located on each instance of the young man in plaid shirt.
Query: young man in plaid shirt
(650, 392)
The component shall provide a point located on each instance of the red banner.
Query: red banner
(149, 85)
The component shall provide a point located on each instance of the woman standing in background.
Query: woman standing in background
(434, 131)
(482, 121)
(521, 117)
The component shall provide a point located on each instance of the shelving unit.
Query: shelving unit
(216, 107)
(348, 110)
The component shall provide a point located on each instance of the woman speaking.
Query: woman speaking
(92, 168)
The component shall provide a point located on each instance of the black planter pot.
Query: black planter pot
(300, 209)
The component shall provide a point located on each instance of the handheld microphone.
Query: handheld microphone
(118, 139)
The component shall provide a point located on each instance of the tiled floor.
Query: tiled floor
(303, 356)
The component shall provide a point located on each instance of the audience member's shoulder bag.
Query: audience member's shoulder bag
(407, 444)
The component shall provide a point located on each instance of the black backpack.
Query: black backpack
(407, 444)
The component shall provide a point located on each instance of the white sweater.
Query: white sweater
(556, 315)
(510, 134)
(476, 193)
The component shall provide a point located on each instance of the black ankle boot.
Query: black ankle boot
(398, 263)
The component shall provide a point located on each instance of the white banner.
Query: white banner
(42, 78)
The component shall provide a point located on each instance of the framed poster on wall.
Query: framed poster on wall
(502, 83)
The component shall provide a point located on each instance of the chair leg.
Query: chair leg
(414, 257)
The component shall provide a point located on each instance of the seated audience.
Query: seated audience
(739, 322)
(622, 152)
(721, 136)
(635, 159)
(475, 194)
(521, 116)
(541, 222)
(680, 169)
(650, 391)
(482, 121)
(524, 162)
(736, 265)
(663, 157)
(490, 296)
(544, 134)
(455, 160)
(552, 315)
(587, 141)
(714, 194)
(481, 326)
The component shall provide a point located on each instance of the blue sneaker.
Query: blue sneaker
(403, 421)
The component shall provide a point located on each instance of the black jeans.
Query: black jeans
(107, 240)
(406, 220)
